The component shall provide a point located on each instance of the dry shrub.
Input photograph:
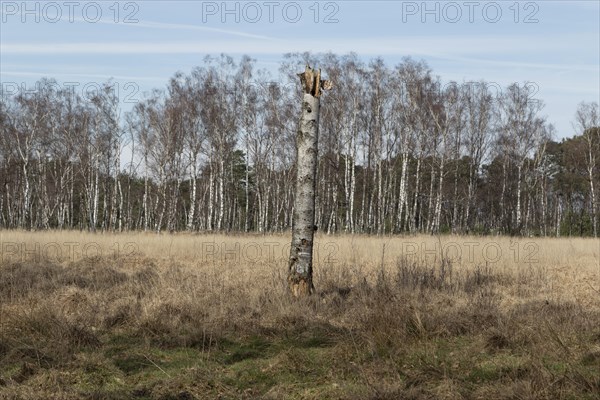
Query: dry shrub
(19, 279)
(46, 336)
(92, 273)
(121, 313)
(174, 325)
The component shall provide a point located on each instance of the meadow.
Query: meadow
(208, 316)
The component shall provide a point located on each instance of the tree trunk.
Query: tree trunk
(415, 218)
(558, 215)
(145, 198)
(25, 213)
(519, 169)
(438, 202)
(211, 195)
(352, 184)
(402, 195)
(502, 196)
(247, 193)
(469, 197)
(430, 214)
(221, 193)
(593, 200)
(455, 227)
(190, 223)
(300, 264)
(96, 194)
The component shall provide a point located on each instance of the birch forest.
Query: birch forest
(400, 151)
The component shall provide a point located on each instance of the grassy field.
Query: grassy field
(141, 316)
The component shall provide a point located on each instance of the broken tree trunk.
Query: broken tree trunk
(303, 224)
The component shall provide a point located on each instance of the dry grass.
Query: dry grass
(207, 316)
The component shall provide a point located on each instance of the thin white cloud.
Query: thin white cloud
(464, 49)
(71, 76)
(445, 44)
(519, 64)
(162, 25)
(172, 26)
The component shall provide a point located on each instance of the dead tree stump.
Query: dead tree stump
(300, 271)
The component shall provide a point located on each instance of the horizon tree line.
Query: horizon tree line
(400, 152)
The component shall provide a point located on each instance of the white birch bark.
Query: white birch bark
(300, 269)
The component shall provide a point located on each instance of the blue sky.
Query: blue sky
(554, 45)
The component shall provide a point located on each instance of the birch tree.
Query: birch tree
(587, 123)
(300, 269)
(521, 128)
(479, 129)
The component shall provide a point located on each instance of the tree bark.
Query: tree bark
(300, 268)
